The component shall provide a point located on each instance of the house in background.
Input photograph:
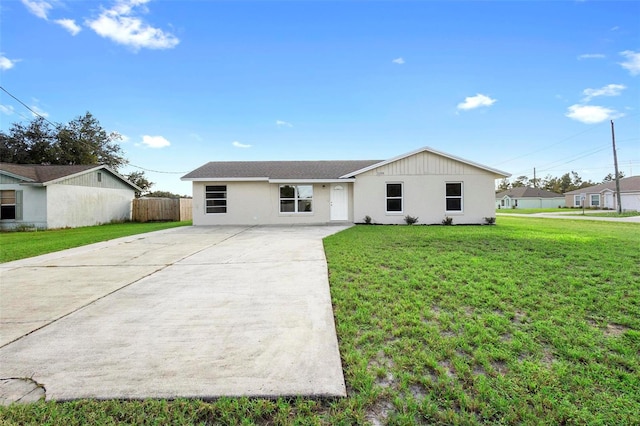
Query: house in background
(425, 183)
(52, 196)
(603, 195)
(525, 197)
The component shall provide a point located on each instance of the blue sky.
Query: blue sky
(510, 84)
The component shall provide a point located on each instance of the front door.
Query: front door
(339, 202)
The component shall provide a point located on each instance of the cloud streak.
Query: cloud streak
(477, 101)
(591, 114)
(38, 7)
(398, 61)
(281, 123)
(6, 63)
(632, 64)
(240, 145)
(121, 25)
(69, 25)
(591, 56)
(608, 90)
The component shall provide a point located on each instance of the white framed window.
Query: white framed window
(393, 197)
(296, 198)
(215, 199)
(595, 200)
(577, 200)
(453, 196)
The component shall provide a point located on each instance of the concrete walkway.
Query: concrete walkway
(189, 312)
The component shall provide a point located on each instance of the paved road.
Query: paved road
(188, 312)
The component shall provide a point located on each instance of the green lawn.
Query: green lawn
(532, 211)
(19, 245)
(532, 321)
(609, 214)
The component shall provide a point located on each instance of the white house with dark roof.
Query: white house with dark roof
(53, 196)
(424, 183)
(603, 195)
(525, 197)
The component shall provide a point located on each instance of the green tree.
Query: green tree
(140, 180)
(520, 181)
(609, 177)
(504, 185)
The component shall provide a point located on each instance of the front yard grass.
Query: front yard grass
(532, 211)
(532, 321)
(20, 245)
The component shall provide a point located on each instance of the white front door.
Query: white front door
(339, 202)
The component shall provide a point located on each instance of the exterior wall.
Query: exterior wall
(34, 206)
(533, 203)
(73, 206)
(630, 201)
(258, 203)
(568, 199)
(96, 179)
(424, 176)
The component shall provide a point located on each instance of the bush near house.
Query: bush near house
(531, 321)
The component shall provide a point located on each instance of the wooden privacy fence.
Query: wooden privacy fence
(161, 209)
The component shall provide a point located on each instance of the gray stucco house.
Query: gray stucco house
(52, 196)
(425, 183)
(525, 197)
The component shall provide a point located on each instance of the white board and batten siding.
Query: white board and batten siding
(423, 177)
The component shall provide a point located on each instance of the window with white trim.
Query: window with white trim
(215, 199)
(577, 200)
(453, 196)
(393, 197)
(595, 200)
(296, 198)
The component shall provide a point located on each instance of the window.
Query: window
(296, 198)
(7, 204)
(595, 200)
(394, 198)
(577, 200)
(99, 177)
(454, 196)
(215, 198)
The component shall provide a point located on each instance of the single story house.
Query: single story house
(53, 196)
(603, 195)
(525, 197)
(425, 183)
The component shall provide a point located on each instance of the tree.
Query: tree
(81, 141)
(504, 185)
(165, 194)
(609, 177)
(140, 180)
(520, 181)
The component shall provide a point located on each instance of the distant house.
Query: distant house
(425, 183)
(603, 195)
(525, 197)
(62, 196)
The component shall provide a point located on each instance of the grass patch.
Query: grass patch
(20, 245)
(608, 214)
(532, 321)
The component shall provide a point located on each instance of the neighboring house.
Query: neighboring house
(525, 197)
(62, 196)
(423, 183)
(603, 195)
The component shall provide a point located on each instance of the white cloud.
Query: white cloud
(240, 145)
(196, 137)
(6, 109)
(592, 56)
(122, 26)
(6, 63)
(281, 123)
(632, 63)
(38, 112)
(398, 61)
(155, 141)
(38, 7)
(69, 25)
(476, 101)
(608, 90)
(591, 114)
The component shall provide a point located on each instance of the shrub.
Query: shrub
(367, 220)
(410, 220)
(490, 220)
(447, 221)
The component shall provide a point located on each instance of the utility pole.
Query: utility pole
(615, 164)
(535, 181)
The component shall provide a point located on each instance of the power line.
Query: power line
(156, 171)
(27, 107)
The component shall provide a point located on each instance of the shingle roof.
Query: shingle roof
(528, 192)
(40, 173)
(628, 184)
(278, 169)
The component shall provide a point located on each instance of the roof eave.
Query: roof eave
(15, 176)
(225, 179)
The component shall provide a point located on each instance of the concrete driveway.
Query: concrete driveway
(194, 312)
